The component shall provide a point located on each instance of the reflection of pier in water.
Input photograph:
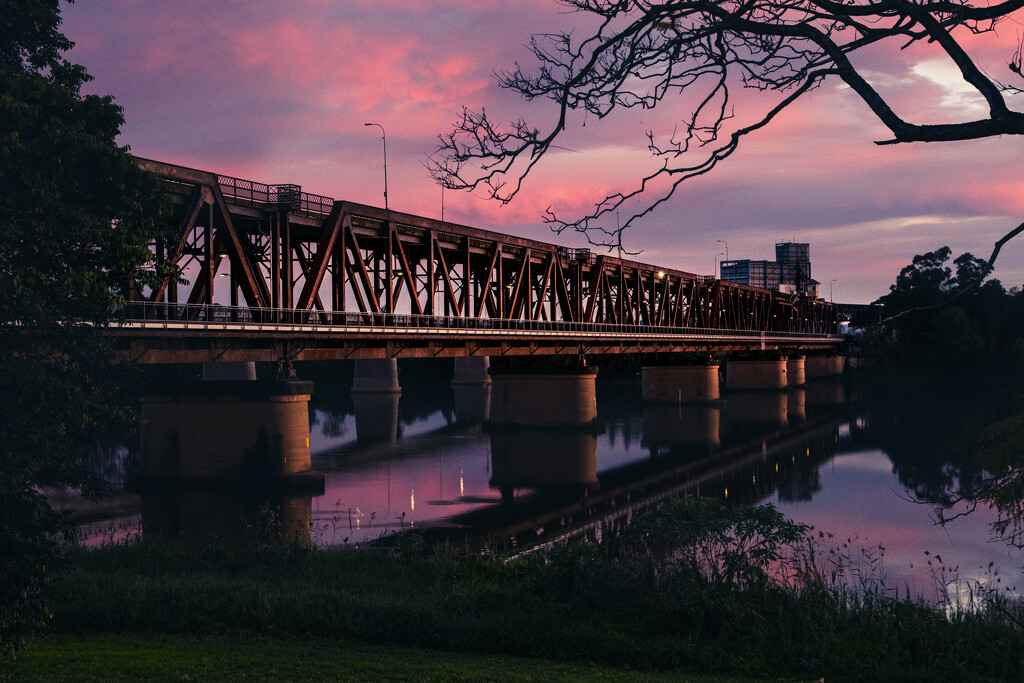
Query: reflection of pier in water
(555, 478)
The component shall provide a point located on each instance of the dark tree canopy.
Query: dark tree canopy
(644, 54)
(76, 219)
(946, 317)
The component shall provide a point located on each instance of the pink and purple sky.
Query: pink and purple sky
(279, 92)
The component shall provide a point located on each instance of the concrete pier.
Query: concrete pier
(471, 386)
(228, 430)
(796, 370)
(376, 376)
(680, 383)
(375, 395)
(471, 370)
(757, 374)
(824, 366)
(543, 399)
(229, 372)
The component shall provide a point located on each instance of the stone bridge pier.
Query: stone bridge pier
(562, 398)
(375, 395)
(471, 386)
(680, 383)
(543, 430)
(229, 427)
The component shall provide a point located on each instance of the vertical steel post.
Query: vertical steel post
(210, 266)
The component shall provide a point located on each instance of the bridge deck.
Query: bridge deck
(157, 334)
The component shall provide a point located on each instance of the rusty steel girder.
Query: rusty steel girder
(280, 248)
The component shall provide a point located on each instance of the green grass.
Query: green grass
(108, 657)
(685, 590)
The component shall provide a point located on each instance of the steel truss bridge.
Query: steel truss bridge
(311, 278)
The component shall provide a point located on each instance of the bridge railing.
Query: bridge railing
(149, 314)
(261, 193)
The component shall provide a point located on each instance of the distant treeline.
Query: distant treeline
(942, 315)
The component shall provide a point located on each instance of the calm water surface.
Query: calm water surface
(869, 471)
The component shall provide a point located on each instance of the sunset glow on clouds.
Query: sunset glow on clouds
(278, 92)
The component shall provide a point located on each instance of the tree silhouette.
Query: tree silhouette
(77, 216)
(643, 53)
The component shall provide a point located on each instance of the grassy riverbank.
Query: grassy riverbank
(691, 588)
(162, 657)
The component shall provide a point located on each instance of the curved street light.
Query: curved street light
(726, 248)
(384, 137)
(830, 298)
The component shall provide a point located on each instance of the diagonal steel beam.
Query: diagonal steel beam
(318, 268)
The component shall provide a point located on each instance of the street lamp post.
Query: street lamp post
(384, 137)
(715, 271)
(830, 299)
(726, 248)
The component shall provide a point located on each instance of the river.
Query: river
(873, 469)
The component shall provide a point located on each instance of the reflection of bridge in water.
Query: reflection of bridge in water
(526, 484)
(743, 473)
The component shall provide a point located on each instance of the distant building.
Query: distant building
(790, 271)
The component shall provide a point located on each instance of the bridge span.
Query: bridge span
(278, 274)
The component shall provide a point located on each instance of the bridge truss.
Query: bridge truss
(275, 271)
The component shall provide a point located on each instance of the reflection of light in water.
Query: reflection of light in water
(412, 500)
(462, 483)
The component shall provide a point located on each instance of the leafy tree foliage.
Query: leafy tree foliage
(694, 54)
(947, 317)
(76, 219)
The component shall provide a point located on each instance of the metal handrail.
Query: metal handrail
(249, 190)
(224, 317)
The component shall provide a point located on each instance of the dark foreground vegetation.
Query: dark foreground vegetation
(690, 587)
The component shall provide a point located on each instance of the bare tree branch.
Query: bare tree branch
(646, 53)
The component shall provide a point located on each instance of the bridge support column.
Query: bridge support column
(824, 366)
(756, 374)
(376, 375)
(229, 372)
(229, 430)
(375, 393)
(472, 370)
(795, 371)
(680, 383)
(472, 388)
(553, 399)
